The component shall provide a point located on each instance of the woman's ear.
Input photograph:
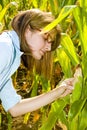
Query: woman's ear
(28, 32)
(28, 29)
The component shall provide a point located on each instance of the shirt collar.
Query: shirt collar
(16, 41)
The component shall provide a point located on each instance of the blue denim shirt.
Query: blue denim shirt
(10, 56)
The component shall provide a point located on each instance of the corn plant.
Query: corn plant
(76, 118)
(3, 12)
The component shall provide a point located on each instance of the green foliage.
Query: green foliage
(65, 11)
(0, 118)
(69, 49)
(83, 118)
(3, 12)
(9, 121)
(78, 96)
(77, 92)
(66, 66)
(35, 85)
(26, 118)
(76, 116)
(55, 113)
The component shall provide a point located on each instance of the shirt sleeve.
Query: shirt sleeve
(5, 56)
(8, 96)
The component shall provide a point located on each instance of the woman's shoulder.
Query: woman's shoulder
(6, 49)
(5, 43)
(5, 39)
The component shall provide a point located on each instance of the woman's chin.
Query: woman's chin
(39, 57)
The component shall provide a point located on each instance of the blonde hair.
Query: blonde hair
(36, 19)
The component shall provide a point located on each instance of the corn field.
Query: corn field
(70, 112)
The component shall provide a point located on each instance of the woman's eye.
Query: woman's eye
(48, 38)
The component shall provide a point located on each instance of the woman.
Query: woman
(26, 42)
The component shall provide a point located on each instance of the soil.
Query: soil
(18, 123)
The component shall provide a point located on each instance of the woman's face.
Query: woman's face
(38, 43)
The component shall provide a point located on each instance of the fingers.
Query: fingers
(68, 84)
(70, 88)
(67, 92)
(69, 81)
(66, 87)
(63, 91)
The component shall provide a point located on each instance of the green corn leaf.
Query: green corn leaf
(76, 108)
(83, 3)
(0, 118)
(52, 6)
(69, 48)
(0, 7)
(63, 119)
(77, 90)
(9, 117)
(65, 11)
(83, 118)
(43, 4)
(64, 62)
(26, 118)
(35, 3)
(77, 13)
(74, 124)
(56, 110)
(3, 11)
(80, 15)
(45, 84)
(34, 85)
(71, 2)
(79, 122)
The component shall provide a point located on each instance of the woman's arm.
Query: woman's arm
(34, 103)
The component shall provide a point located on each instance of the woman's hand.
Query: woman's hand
(66, 87)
